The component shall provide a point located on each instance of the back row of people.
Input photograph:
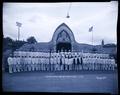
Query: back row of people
(70, 54)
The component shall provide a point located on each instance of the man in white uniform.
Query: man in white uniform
(29, 63)
(84, 62)
(47, 61)
(33, 68)
(36, 63)
(39, 63)
(55, 61)
(80, 62)
(25, 63)
(58, 61)
(104, 64)
(73, 64)
(113, 64)
(63, 62)
(51, 62)
(75, 61)
(57, 66)
(66, 62)
(43, 61)
(14, 64)
(10, 63)
(95, 64)
(17, 61)
(18, 64)
(69, 63)
(88, 61)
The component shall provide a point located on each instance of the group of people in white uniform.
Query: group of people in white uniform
(61, 61)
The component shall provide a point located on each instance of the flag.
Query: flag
(91, 29)
(18, 24)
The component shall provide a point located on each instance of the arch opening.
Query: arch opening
(63, 46)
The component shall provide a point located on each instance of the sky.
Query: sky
(41, 20)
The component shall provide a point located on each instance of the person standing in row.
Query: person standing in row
(29, 64)
(58, 61)
(14, 64)
(51, 62)
(73, 64)
(39, 63)
(45, 62)
(78, 62)
(25, 63)
(36, 63)
(18, 64)
(69, 62)
(65, 68)
(63, 62)
(10, 63)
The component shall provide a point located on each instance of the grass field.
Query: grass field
(81, 81)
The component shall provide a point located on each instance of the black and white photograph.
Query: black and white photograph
(60, 47)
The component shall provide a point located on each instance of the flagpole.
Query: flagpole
(19, 25)
(91, 30)
(18, 33)
(92, 37)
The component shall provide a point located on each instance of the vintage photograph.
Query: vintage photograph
(63, 47)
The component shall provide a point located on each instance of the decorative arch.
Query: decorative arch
(63, 36)
(65, 32)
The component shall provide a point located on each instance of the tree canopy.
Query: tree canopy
(31, 40)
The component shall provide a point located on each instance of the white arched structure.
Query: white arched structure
(63, 34)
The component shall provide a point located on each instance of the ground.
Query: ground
(81, 81)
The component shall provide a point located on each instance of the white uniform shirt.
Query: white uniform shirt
(63, 60)
(70, 60)
(14, 60)
(58, 59)
(66, 60)
(55, 60)
(52, 60)
(10, 60)
(18, 60)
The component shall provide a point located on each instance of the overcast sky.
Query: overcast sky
(41, 19)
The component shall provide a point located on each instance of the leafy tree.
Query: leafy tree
(31, 40)
(9, 46)
(7, 43)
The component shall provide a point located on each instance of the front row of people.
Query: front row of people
(59, 63)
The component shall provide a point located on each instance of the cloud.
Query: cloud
(41, 20)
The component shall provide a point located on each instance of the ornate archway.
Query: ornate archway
(63, 42)
(63, 38)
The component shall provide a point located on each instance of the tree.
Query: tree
(7, 43)
(31, 40)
